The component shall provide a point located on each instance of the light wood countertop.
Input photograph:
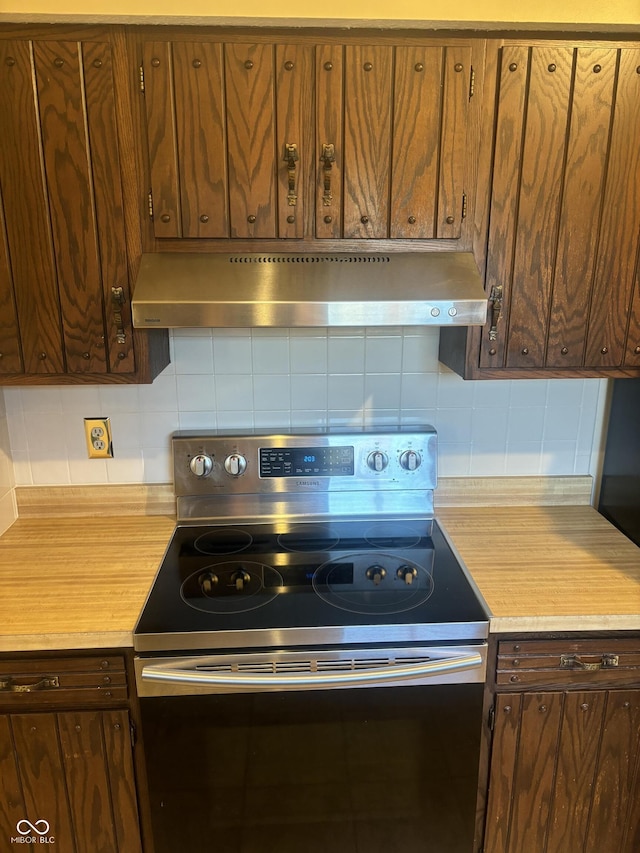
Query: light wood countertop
(72, 583)
(548, 568)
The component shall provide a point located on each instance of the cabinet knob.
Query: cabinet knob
(122, 356)
(364, 219)
(86, 355)
(419, 66)
(42, 356)
(368, 66)
(291, 219)
(165, 217)
(514, 679)
(542, 709)
(525, 350)
(328, 66)
(597, 69)
(97, 63)
(328, 219)
(458, 67)
(493, 351)
(248, 64)
(450, 220)
(564, 350)
(251, 218)
(288, 65)
(411, 220)
(197, 63)
(513, 66)
(155, 62)
(58, 62)
(604, 350)
(10, 61)
(637, 350)
(204, 218)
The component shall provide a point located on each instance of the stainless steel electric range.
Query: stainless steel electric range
(304, 567)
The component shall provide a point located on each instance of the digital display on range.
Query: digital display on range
(306, 461)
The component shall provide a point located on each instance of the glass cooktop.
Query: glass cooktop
(274, 584)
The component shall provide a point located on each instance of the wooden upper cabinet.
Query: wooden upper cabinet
(229, 138)
(64, 264)
(301, 140)
(564, 228)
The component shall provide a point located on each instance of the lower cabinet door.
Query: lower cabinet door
(565, 773)
(67, 779)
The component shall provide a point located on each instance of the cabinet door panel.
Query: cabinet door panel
(42, 774)
(620, 229)
(416, 141)
(457, 70)
(503, 769)
(161, 136)
(367, 140)
(12, 806)
(107, 192)
(538, 208)
(613, 791)
(26, 208)
(122, 780)
(11, 358)
(329, 134)
(66, 157)
(581, 204)
(534, 771)
(582, 722)
(504, 198)
(294, 73)
(201, 139)
(632, 351)
(249, 80)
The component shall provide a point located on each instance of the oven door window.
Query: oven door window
(335, 771)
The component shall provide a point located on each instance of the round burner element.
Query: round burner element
(308, 537)
(223, 540)
(373, 583)
(231, 587)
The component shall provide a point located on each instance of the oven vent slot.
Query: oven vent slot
(305, 666)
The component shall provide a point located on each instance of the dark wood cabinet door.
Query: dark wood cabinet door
(74, 771)
(564, 773)
(564, 224)
(64, 251)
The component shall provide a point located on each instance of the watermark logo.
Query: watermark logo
(33, 833)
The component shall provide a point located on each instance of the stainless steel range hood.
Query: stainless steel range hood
(245, 290)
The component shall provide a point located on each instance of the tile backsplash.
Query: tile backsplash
(240, 378)
(7, 501)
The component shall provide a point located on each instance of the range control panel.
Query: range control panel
(215, 463)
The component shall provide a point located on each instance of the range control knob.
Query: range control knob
(407, 574)
(240, 579)
(201, 465)
(377, 460)
(208, 582)
(376, 574)
(410, 460)
(235, 464)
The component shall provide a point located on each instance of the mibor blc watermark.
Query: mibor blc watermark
(33, 833)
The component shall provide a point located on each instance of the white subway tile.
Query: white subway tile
(273, 420)
(85, 471)
(127, 431)
(454, 392)
(22, 468)
(193, 354)
(565, 392)
(491, 393)
(382, 391)
(271, 392)
(419, 390)
(490, 426)
(523, 458)
(48, 470)
(346, 392)
(126, 469)
(308, 355)
(529, 392)
(198, 420)
(195, 392)
(157, 465)
(346, 355)
(383, 354)
(454, 460)
(309, 392)
(162, 396)
(309, 418)
(346, 418)
(235, 420)
(454, 425)
(232, 355)
(525, 424)
(120, 398)
(270, 355)
(42, 400)
(558, 457)
(234, 393)
(420, 350)
(156, 429)
(8, 511)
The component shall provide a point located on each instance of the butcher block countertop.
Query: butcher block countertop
(75, 582)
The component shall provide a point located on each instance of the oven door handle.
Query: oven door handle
(372, 676)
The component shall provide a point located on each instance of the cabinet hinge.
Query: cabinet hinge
(141, 78)
(132, 732)
(492, 718)
(472, 83)
(150, 205)
(464, 205)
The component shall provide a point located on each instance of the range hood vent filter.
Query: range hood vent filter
(176, 289)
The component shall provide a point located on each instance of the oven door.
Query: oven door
(315, 768)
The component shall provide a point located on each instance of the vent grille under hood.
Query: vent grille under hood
(176, 289)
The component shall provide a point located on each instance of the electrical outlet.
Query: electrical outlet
(97, 431)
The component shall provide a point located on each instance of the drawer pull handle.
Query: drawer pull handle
(47, 683)
(576, 662)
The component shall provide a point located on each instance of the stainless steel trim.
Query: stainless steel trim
(260, 638)
(311, 670)
(176, 289)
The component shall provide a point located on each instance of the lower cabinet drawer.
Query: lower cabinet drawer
(599, 662)
(53, 682)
